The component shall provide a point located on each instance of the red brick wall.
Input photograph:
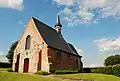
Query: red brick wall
(61, 60)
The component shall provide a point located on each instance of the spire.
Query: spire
(58, 21)
(58, 25)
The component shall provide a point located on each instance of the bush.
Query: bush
(9, 70)
(42, 73)
(59, 71)
(116, 70)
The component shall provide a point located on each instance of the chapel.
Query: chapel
(42, 47)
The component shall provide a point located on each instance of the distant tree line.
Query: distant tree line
(5, 65)
(112, 60)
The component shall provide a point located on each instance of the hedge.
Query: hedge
(40, 72)
(5, 65)
(60, 71)
(116, 70)
(86, 70)
(104, 70)
(113, 70)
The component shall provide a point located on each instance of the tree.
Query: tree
(11, 51)
(112, 60)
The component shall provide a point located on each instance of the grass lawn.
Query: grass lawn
(11, 76)
(4, 69)
(92, 76)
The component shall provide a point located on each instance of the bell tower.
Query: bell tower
(58, 25)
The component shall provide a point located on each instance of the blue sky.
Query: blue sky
(91, 25)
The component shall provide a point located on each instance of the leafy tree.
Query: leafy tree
(11, 52)
(112, 60)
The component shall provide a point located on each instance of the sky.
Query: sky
(92, 26)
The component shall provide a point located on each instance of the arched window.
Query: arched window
(27, 44)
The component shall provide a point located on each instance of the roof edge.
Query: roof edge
(64, 51)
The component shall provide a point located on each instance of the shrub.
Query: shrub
(40, 72)
(9, 70)
(59, 71)
(116, 70)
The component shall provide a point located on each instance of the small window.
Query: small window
(28, 40)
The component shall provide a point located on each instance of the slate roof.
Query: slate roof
(52, 38)
(73, 49)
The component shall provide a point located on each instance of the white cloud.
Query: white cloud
(3, 57)
(1, 53)
(14, 4)
(67, 11)
(88, 11)
(64, 2)
(108, 44)
(95, 65)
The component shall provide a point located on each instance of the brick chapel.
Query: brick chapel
(42, 47)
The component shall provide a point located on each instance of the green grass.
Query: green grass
(4, 69)
(12, 76)
(92, 76)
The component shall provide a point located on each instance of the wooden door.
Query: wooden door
(17, 63)
(26, 65)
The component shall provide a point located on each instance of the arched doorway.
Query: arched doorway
(26, 65)
(17, 63)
